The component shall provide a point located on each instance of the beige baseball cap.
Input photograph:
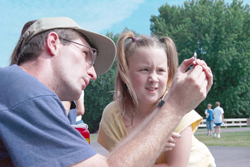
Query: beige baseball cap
(104, 45)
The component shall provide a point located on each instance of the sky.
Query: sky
(100, 16)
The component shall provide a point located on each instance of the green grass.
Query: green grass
(93, 137)
(205, 129)
(229, 139)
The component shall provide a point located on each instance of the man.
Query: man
(218, 114)
(56, 59)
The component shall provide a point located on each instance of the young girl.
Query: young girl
(146, 66)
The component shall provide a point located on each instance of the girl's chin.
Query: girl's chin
(150, 101)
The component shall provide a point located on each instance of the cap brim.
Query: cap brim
(106, 51)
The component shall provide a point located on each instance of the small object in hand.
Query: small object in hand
(195, 55)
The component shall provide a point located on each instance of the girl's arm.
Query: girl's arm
(179, 156)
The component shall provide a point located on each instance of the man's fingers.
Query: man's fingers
(185, 64)
(201, 62)
(209, 75)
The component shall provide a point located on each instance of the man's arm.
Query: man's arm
(222, 115)
(206, 113)
(144, 145)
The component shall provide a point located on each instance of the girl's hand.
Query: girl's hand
(171, 141)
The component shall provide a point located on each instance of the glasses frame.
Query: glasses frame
(93, 54)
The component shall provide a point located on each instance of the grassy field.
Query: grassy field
(93, 137)
(229, 139)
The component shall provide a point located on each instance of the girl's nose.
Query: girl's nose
(153, 78)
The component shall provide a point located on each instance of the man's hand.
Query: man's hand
(191, 87)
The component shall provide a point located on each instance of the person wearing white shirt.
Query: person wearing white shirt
(218, 113)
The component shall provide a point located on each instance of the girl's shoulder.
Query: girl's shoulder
(192, 118)
(110, 111)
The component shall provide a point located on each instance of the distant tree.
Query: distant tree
(220, 35)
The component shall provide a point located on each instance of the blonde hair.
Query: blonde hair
(126, 46)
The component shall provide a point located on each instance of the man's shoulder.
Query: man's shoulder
(15, 78)
(221, 109)
(218, 109)
(215, 109)
(19, 86)
(13, 74)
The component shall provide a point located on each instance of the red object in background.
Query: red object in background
(83, 130)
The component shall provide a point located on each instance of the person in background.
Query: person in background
(146, 67)
(80, 110)
(56, 59)
(75, 109)
(209, 120)
(218, 114)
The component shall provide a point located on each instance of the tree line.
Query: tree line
(219, 33)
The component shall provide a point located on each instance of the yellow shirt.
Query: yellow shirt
(112, 130)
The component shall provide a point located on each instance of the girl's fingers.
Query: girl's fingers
(175, 135)
(169, 147)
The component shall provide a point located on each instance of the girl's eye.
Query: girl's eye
(144, 69)
(161, 70)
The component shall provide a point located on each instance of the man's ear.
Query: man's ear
(52, 43)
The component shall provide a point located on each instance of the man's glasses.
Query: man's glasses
(91, 56)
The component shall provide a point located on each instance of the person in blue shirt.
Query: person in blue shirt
(209, 119)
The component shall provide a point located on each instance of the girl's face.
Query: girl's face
(148, 71)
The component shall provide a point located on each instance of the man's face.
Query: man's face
(75, 68)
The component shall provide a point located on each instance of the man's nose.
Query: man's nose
(92, 73)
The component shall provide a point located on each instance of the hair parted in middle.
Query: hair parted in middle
(127, 45)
